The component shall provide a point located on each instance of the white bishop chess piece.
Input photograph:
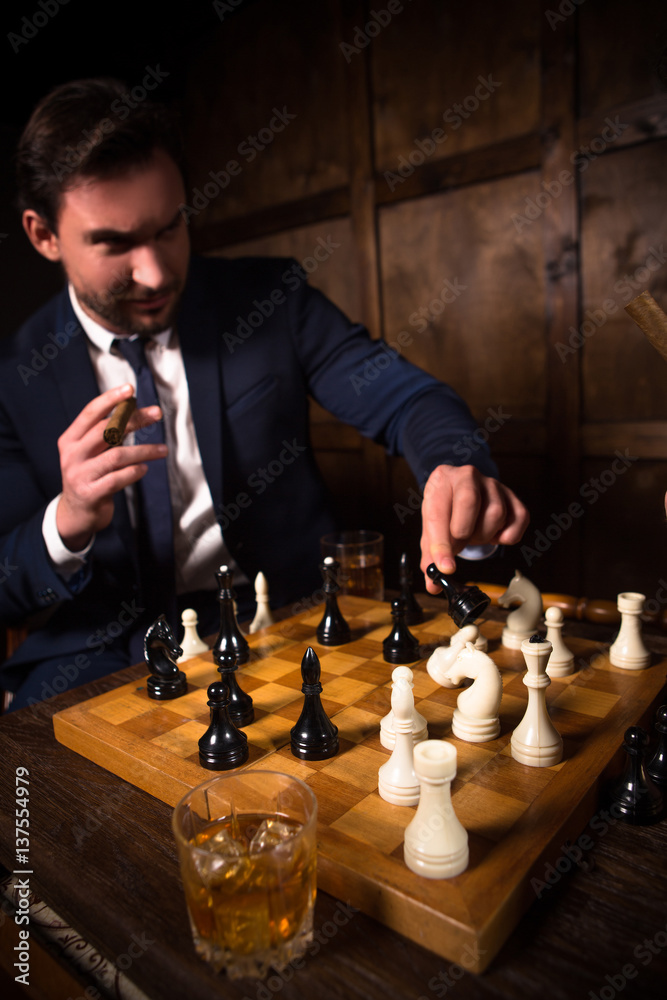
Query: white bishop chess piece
(397, 781)
(419, 727)
(536, 741)
(628, 649)
(192, 643)
(476, 714)
(436, 842)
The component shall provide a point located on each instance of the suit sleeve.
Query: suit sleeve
(370, 385)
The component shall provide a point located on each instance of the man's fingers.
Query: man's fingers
(96, 410)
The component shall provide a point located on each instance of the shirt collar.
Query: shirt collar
(101, 337)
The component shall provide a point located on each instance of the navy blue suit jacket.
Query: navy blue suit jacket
(256, 342)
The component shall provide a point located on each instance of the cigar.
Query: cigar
(115, 429)
(650, 318)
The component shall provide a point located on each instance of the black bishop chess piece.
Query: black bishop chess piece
(241, 710)
(161, 652)
(465, 604)
(314, 737)
(333, 630)
(400, 646)
(637, 799)
(413, 611)
(222, 746)
(657, 765)
(230, 638)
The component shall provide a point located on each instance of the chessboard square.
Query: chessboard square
(486, 812)
(356, 725)
(182, 740)
(334, 798)
(436, 714)
(376, 822)
(339, 663)
(125, 707)
(150, 724)
(424, 685)
(359, 766)
(345, 690)
(471, 758)
(380, 615)
(573, 725)
(270, 732)
(268, 645)
(586, 700)
(272, 697)
(200, 672)
(287, 764)
(506, 776)
(371, 672)
(190, 705)
(272, 669)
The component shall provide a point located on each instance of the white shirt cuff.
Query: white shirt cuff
(67, 563)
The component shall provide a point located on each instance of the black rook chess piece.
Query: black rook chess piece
(230, 639)
(465, 604)
(413, 612)
(222, 746)
(314, 737)
(400, 646)
(333, 630)
(635, 796)
(657, 765)
(160, 653)
(241, 710)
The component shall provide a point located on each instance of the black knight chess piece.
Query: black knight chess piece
(413, 612)
(230, 638)
(222, 746)
(241, 710)
(400, 646)
(333, 630)
(161, 652)
(314, 737)
(465, 604)
(637, 799)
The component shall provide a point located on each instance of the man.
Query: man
(101, 193)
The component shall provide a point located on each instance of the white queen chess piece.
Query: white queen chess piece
(436, 842)
(628, 649)
(536, 741)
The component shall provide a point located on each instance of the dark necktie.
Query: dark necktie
(154, 520)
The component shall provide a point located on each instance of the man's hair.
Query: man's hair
(86, 129)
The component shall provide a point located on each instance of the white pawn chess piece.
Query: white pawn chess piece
(536, 741)
(263, 617)
(561, 661)
(628, 649)
(442, 658)
(419, 727)
(476, 714)
(192, 643)
(397, 781)
(436, 842)
(523, 621)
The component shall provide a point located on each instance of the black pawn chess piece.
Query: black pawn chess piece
(333, 630)
(161, 652)
(400, 646)
(413, 612)
(230, 638)
(314, 737)
(657, 765)
(222, 746)
(241, 710)
(465, 604)
(635, 796)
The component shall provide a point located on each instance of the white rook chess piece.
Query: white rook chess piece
(436, 842)
(192, 644)
(476, 714)
(535, 741)
(419, 728)
(397, 781)
(561, 661)
(443, 657)
(263, 616)
(628, 649)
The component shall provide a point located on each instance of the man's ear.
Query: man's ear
(40, 235)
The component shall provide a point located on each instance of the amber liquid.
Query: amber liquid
(251, 905)
(363, 577)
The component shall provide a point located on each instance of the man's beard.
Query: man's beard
(109, 308)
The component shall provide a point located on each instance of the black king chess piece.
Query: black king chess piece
(637, 799)
(222, 746)
(160, 653)
(400, 646)
(413, 612)
(241, 710)
(465, 604)
(314, 737)
(333, 630)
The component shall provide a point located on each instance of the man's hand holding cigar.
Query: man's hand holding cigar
(93, 472)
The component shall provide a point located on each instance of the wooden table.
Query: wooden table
(586, 934)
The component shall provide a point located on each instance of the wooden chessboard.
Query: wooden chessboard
(519, 819)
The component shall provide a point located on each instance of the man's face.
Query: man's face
(124, 246)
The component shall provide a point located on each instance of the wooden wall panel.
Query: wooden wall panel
(259, 60)
(430, 57)
(621, 52)
(624, 251)
(488, 340)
